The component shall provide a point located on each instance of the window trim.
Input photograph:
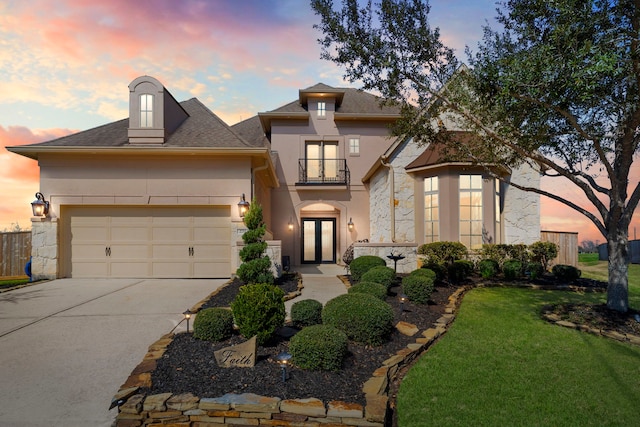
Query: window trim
(322, 109)
(357, 146)
(145, 111)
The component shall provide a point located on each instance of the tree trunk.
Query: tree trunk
(618, 288)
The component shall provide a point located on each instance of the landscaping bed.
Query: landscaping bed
(189, 366)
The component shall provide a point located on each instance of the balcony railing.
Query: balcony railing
(323, 171)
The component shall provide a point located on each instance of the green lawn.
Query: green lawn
(10, 283)
(500, 364)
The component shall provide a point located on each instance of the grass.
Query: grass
(501, 364)
(10, 283)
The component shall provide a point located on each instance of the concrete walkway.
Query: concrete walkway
(321, 283)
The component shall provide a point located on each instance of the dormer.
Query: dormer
(153, 112)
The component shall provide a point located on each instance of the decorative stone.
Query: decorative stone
(183, 402)
(213, 403)
(156, 402)
(407, 329)
(238, 356)
(376, 409)
(566, 324)
(123, 395)
(375, 385)
(343, 409)
(133, 405)
(310, 407)
(242, 421)
(431, 334)
(249, 402)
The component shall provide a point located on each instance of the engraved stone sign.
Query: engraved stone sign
(238, 356)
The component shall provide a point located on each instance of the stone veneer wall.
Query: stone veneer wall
(521, 208)
(187, 410)
(403, 194)
(44, 248)
(408, 250)
(274, 251)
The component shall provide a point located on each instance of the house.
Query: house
(157, 194)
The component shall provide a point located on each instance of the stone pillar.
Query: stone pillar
(44, 248)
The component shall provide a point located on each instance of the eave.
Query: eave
(266, 118)
(366, 117)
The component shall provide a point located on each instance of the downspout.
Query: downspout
(253, 177)
(392, 201)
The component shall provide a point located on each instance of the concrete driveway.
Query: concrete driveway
(67, 345)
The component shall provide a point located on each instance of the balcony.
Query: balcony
(323, 172)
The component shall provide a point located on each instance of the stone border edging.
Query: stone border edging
(187, 410)
(551, 317)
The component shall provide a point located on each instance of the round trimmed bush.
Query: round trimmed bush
(459, 270)
(306, 313)
(566, 273)
(439, 269)
(418, 288)
(259, 310)
(376, 289)
(381, 274)
(213, 324)
(363, 317)
(364, 263)
(535, 270)
(488, 268)
(319, 347)
(424, 272)
(512, 269)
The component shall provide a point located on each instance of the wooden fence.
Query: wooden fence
(15, 251)
(567, 246)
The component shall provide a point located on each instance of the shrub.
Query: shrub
(460, 270)
(443, 252)
(418, 288)
(364, 263)
(566, 273)
(363, 317)
(519, 252)
(543, 253)
(306, 313)
(424, 272)
(255, 267)
(319, 347)
(259, 310)
(535, 270)
(383, 275)
(213, 324)
(439, 269)
(373, 288)
(496, 252)
(488, 268)
(512, 269)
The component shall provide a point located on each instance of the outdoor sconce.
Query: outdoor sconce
(40, 206)
(187, 315)
(403, 298)
(243, 206)
(290, 225)
(283, 359)
(350, 224)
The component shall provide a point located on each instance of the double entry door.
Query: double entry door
(318, 240)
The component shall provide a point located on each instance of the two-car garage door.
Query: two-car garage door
(166, 242)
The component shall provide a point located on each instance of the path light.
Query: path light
(243, 206)
(350, 224)
(283, 359)
(40, 206)
(187, 315)
(403, 298)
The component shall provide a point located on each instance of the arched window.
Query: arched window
(146, 110)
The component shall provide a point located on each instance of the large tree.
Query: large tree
(556, 86)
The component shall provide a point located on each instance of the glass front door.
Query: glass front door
(318, 240)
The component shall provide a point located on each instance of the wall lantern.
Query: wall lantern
(40, 206)
(290, 225)
(243, 206)
(350, 224)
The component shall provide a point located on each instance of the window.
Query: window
(322, 161)
(354, 146)
(471, 211)
(431, 210)
(146, 111)
(322, 109)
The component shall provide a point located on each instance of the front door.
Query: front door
(318, 240)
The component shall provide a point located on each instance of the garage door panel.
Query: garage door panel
(151, 242)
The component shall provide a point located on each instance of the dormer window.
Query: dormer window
(322, 109)
(146, 110)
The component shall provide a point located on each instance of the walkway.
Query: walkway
(321, 283)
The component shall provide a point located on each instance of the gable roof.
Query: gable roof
(201, 129)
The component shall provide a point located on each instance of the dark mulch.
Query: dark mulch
(599, 316)
(188, 365)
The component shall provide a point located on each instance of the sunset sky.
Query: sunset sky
(65, 67)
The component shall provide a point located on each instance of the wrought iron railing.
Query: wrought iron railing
(323, 171)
